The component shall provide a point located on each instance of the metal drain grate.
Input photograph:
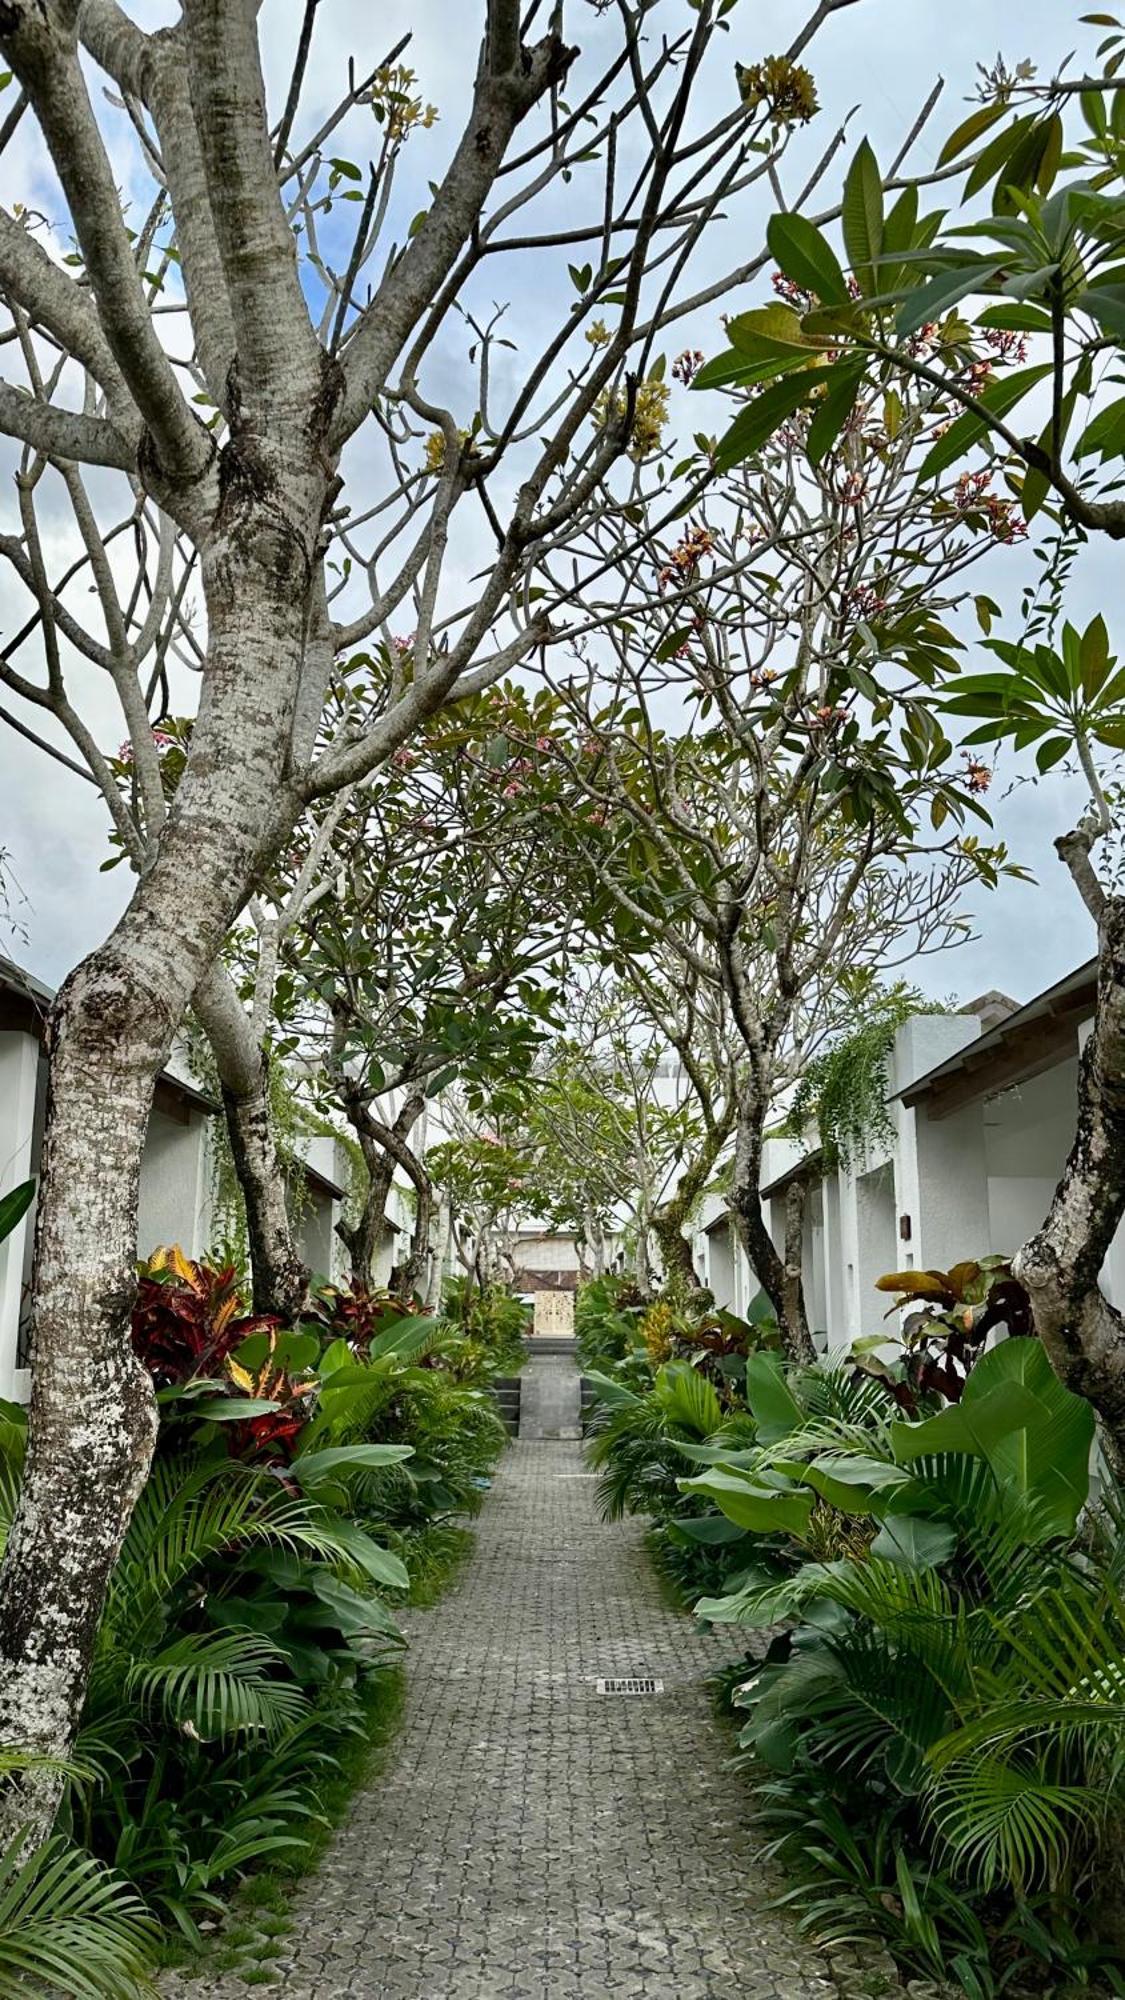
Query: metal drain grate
(629, 1685)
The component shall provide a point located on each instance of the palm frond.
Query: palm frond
(219, 1684)
(69, 1928)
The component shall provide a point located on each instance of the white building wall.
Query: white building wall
(175, 1186)
(19, 1065)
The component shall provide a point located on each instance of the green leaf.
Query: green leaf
(235, 1409)
(756, 424)
(862, 216)
(851, 1481)
(369, 1555)
(14, 1206)
(969, 428)
(776, 1410)
(808, 258)
(1106, 304)
(763, 1510)
(842, 386)
(914, 1542)
(1016, 1414)
(970, 130)
(711, 1530)
(935, 297)
(343, 1457)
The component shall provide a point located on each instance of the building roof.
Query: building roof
(809, 1163)
(24, 1005)
(1024, 1044)
(321, 1183)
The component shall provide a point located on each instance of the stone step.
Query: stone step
(551, 1343)
(506, 1396)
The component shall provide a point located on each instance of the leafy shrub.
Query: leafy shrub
(299, 1472)
(607, 1316)
(937, 1729)
(492, 1321)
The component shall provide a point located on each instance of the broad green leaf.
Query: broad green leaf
(969, 428)
(1016, 1414)
(970, 130)
(862, 216)
(345, 1457)
(14, 1206)
(808, 258)
(369, 1555)
(235, 1409)
(756, 424)
(775, 1409)
(947, 289)
(841, 385)
(914, 1542)
(762, 1509)
(712, 1530)
(851, 1481)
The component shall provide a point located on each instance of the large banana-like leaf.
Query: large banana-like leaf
(1033, 1432)
(774, 1508)
(776, 1410)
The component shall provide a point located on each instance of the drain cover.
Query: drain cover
(629, 1685)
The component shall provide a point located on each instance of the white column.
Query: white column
(19, 1069)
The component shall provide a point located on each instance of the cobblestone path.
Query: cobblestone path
(530, 1839)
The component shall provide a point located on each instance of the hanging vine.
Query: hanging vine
(844, 1089)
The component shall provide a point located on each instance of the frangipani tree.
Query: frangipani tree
(435, 960)
(230, 533)
(810, 824)
(1011, 323)
(610, 1120)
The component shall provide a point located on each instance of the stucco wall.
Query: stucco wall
(19, 1063)
(175, 1185)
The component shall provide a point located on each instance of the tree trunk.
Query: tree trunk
(361, 1238)
(769, 1268)
(92, 1420)
(675, 1250)
(384, 1148)
(642, 1266)
(414, 1277)
(672, 1216)
(796, 1313)
(280, 1278)
(595, 1242)
(1061, 1267)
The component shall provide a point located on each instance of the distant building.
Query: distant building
(983, 1107)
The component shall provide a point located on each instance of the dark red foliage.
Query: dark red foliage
(188, 1317)
(359, 1316)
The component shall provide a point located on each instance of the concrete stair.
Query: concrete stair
(506, 1395)
(551, 1343)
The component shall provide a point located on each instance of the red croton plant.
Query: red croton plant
(189, 1318)
(958, 1309)
(191, 1326)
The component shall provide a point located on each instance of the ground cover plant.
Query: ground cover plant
(307, 1481)
(932, 1706)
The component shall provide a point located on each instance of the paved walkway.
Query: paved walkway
(532, 1840)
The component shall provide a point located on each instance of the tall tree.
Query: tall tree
(435, 960)
(227, 421)
(1010, 323)
(811, 822)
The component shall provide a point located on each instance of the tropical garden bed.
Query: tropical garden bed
(931, 1711)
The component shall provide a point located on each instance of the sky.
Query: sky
(874, 64)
